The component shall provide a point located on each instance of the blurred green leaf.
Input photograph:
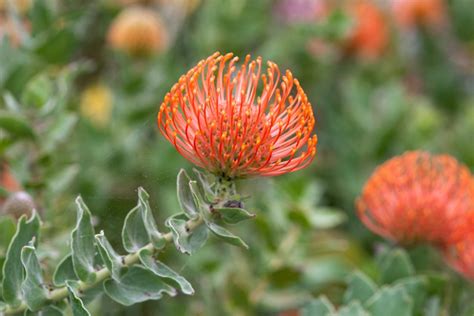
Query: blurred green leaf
(38, 91)
(395, 265)
(16, 125)
(326, 217)
(32, 288)
(137, 285)
(83, 244)
(226, 235)
(320, 306)
(50, 310)
(7, 230)
(41, 16)
(353, 309)
(359, 287)
(390, 301)
(60, 130)
(13, 273)
(55, 46)
(165, 272)
(415, 287)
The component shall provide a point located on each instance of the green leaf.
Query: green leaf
(233, 215)
(395, 265)
(41, 16)
(134, 233)
(325, 217)
(15, 125)
(165, 272)
(7, 230)
(77, 306)
(415, 287)
(318, 307)
(64, 271)
(2, 306)
(33, 291)
(83, 244)
(185, 240)
(112, 260)
(226, 235)
(50, 310)
(390, 301)
(37, 91)
(137, 285)
(13, 273)
(353, 309)
(359, 287)
(185, 196)
(154, 235)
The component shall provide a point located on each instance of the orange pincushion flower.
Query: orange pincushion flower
(369, 37)
(410, 12)
(237, 121)
(417, 197)
(8, 182)
(138, 31)
(460, 256)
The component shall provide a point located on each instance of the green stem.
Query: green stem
(103, 274)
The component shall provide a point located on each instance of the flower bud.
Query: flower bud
(17, 204)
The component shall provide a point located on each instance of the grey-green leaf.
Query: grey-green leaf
(134, 233)
(185, 196)
(359, 287)
(318, 307)
(165, 272)
(83, 244)
(395, 265)
(15, 125)
(64, 271)
(34, 293)
(204, 185)
(185, 240)
(390, 301)
(137, 285)
(13, 273)
(353, 309)
(77, 306)
(50, 310)
(233, 215)
(226, 235)
(154, 235)
(416, 288)
(111, 259)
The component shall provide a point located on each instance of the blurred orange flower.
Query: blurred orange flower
(460, 256)
(411, 12)
(235, 121)
(418, 197)
(369, 36)
(7, 181)
(96, 104)
(138, 31)
(12, 31)
(21, 6)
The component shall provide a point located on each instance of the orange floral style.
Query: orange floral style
(369, 36)
(418, 197)
(408, 13)
(239, 121)
(460, 256)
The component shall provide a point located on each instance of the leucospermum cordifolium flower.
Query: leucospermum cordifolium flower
(460, 255)
(239, 120)
(419, 197)
(408, 13)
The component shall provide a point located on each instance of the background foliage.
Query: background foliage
(77, 117)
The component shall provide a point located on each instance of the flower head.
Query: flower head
(369, 36)
(460, 256)
(418, 197)
(96, 104)
(138, 31)
(239, 121)
(411, 12)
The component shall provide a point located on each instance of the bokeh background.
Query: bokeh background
(81, 83)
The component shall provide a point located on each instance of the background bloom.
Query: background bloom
(369, 35)
(96, 104)
(138, 31)
(218, 119)
(418, 197)
(411, 12)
